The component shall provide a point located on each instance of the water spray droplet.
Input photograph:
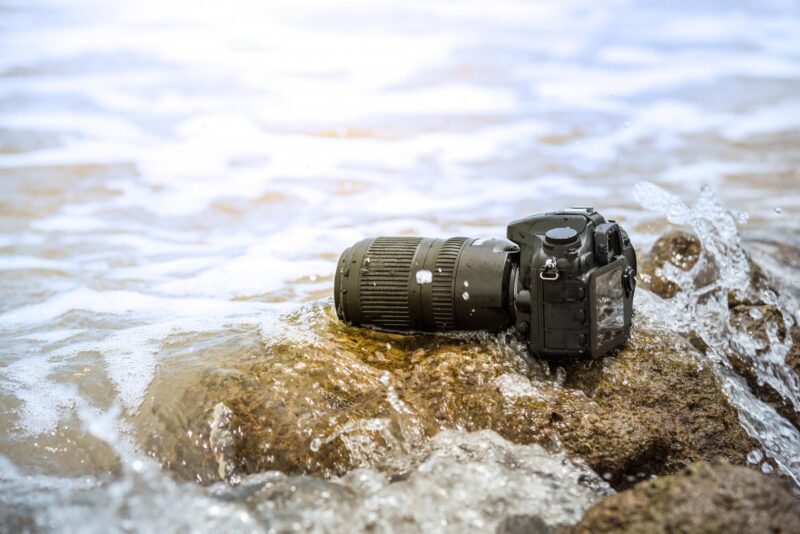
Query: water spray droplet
(424, 276)
(778, 210)
(754, 456)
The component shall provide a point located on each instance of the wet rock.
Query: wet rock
(753, 333)
(793, 358)
(316, 401)
(221, 440)
(704, 497)
(763, 334)
(676, 248)
(523, 524)
(659, 408)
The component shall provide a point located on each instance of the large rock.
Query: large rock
(704, 497)
(754, 333)
(323, 398)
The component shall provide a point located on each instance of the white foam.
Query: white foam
(43, 400)
(53, 336)
(9, 263)
(125, 303)
(512, 386)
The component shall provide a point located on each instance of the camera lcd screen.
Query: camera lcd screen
(609, 305)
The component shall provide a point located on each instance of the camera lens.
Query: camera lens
(415, 284)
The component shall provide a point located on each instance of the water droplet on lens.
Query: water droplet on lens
(465, 295)
(778, 210)
(424, 276)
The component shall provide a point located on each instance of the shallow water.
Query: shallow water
(178, 180)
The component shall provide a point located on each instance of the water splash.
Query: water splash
(461, 481)
(141, 497)
(702, 308)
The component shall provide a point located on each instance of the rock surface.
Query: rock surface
(327, 398)
(704, 497)
(678, 249)
(754, 333)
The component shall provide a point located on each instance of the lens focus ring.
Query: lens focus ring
(384, 282)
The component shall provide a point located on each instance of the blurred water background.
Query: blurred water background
(177, 176)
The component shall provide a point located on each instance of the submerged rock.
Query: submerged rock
(323, 398)
(704, 497)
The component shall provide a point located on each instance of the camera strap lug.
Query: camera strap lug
(550, 271)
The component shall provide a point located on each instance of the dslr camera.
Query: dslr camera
(563, 280)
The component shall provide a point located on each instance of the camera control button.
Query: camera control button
(561, 235)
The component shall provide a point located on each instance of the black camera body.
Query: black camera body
(564, 280)
(575, 284)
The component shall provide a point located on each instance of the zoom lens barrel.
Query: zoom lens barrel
(416, 284)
